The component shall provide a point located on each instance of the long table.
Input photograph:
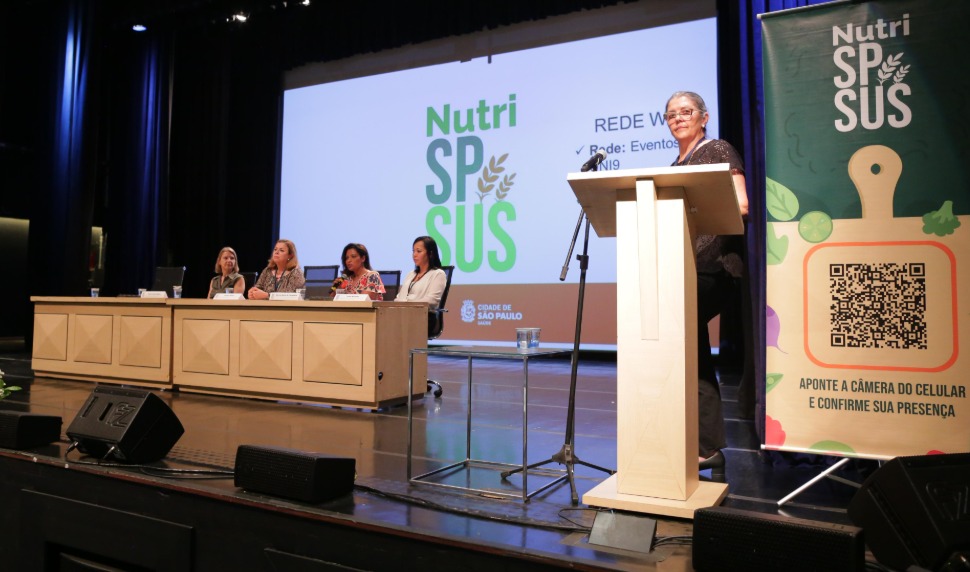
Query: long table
(338, 353)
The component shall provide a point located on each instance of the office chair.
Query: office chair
(250, 278)
(166, 277)
(436, 323)
(321, 274)
(392, 282)
(319, 281)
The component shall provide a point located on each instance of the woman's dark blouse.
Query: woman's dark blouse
(713, 254)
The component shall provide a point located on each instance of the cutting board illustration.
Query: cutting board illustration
(878, 293)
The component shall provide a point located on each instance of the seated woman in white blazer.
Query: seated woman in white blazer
(426, 283)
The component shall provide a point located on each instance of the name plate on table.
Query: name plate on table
(154, 294)
(352, 298)
(229, 296)
(284, 296)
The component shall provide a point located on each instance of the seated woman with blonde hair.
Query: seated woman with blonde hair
(227, 267)
(283, 273)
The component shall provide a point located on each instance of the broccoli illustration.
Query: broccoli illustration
(941, 222)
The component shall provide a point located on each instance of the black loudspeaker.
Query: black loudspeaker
(20, 430)
(916, 511)
(728, 540)
(131, 425)
(297, 475)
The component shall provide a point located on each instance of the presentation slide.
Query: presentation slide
(475, 154)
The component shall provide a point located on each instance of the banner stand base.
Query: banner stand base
(826, 473)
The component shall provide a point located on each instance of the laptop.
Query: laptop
(317, 292)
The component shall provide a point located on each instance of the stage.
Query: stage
(73, 510)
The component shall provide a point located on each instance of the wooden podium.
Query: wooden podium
(655, 214)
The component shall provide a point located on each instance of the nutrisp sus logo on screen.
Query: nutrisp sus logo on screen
(871, 82)
(471, 214)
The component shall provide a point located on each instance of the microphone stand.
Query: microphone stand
(566, 455)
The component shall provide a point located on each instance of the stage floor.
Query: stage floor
(548, 530)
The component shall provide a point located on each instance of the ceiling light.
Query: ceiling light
(240, 17)
(139, 28)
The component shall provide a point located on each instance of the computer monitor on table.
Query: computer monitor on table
(166, 277)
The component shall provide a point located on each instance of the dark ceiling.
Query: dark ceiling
(194, 12)
(354, 14)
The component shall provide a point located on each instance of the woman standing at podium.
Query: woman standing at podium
(282, 274)
(717, 266)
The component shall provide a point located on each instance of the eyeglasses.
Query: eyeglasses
(684, 113)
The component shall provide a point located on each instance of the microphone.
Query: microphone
(593, 161)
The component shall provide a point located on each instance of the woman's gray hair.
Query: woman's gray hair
(695, 99)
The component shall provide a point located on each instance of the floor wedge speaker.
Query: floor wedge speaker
(733, 540)
(19, 430)
(128, 425)
(292, 474)
(916, 511)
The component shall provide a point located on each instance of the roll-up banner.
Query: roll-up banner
(867, 109)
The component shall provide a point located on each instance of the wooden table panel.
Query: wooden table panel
(339, 353)
(123, 340)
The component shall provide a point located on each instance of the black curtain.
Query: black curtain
(227, 90)
(62, 201)
(135, 192)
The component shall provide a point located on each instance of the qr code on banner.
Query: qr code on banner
(878, 305)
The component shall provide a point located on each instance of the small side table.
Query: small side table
(470, 353)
